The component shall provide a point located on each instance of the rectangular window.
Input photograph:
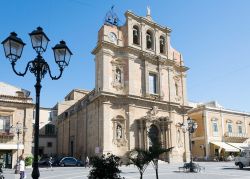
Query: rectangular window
(229, 128)
(240, 129)
(4, 123)
(152, 83)
(215, 129)
(49, 144)
(49, 129)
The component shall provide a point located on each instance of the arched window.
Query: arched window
(240, 130)
(229, 127)
(215, 127)
(149, 40)
(162, 44)
(136, 35)
(118, 75)
(118, 131)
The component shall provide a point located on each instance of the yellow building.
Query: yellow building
(220, 131)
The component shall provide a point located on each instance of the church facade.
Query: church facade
(140, 90)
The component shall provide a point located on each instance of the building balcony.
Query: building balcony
(238, 135)
(235, 137)
(6, 133)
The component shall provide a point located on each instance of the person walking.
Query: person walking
(22, 168)
(87, 162)
(50, 162)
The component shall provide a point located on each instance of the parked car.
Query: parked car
(57, 160)
(44, 161)
(244, 159)
(70, 161)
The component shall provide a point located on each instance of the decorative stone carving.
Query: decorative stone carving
(118, 74)
(119, 126)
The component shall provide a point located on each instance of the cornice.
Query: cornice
(140, 98)
(221, 110)
(15, 97)
(181, 68)
(140, 54)
(16, 102)
(146, 21)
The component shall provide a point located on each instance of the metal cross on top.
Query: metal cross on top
(111, 17)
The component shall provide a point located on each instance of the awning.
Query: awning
(240, 146)
(226, 147)
(11, 146)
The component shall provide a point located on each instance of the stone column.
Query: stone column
(139, 134)
(160, 81)
(142, 135)
(146, 77)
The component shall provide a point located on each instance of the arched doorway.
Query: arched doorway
(153, 135)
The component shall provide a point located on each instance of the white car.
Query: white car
(244, 159)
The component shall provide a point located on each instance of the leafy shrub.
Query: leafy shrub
(105, 167)
(28, 161)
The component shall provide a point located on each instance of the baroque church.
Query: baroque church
(140, 90)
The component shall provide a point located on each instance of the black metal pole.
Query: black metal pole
(190, 148)
(17, 159)
(35, 172)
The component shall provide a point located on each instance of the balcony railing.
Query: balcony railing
(6, 133)
(238, 135)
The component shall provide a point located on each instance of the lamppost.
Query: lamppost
(191, 127)
(18, 129)
(13, 47)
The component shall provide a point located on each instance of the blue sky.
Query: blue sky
(212, 35)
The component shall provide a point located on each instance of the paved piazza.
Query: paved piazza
(214, 170)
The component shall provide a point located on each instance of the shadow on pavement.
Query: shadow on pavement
(233, 168)
(129, 172)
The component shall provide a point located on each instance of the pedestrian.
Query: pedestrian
(22, 168)
(87, 162)
(50, 162)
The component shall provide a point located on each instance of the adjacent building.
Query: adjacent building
(16, 115)
(47, 132)
(139, 94)
(220, 131)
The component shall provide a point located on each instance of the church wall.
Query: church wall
(135, 139)
(135, 76)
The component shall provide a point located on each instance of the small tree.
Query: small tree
(155, 151)
(140, 158)
(105, 167)
(28, 161)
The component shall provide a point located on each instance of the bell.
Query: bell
(135, 32)
(149, 38)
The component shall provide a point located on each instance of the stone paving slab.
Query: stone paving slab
(213, 170)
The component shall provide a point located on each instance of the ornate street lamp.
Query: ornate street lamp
(13, 47)
(191, 126)
(18, 129)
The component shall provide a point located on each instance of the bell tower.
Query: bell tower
(138, 59)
